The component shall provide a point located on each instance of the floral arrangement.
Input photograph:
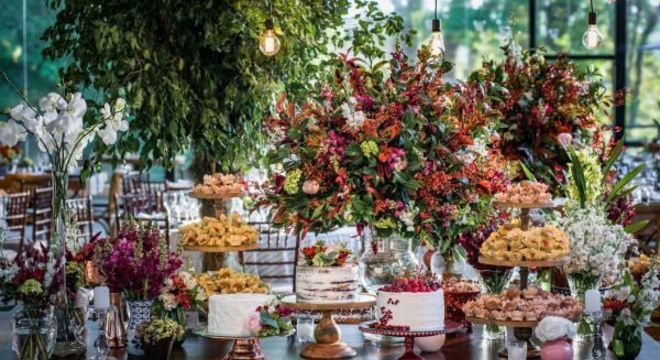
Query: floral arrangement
(630, 302)
(157, 329)
(321, 255)
(180, 290)
(271, 320)
(597, 246)
(137, 262)
(551, 328)
(413, 282)
(34, 277)
(545, 105)
(396, 148)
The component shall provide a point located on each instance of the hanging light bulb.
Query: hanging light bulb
(269, 44)
(592, 38)
(437, 43)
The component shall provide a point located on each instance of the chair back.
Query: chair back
(275, 260)
(15, 216)
(42, 209)
(84, 217)
(130, 205)
(131, 182)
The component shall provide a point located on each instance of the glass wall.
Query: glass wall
(473, 29)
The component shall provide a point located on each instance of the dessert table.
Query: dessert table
(199, 348)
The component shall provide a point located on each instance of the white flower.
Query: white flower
(53, 102)
(407, 216)
(77, 106)
(108, 135)
(169, 301)
(553, 327)
(120, 105)
(354, 118)
(22, 112)
(11, 133)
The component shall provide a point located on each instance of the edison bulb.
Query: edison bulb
(437, 44)
(592, 38)
(269, 44)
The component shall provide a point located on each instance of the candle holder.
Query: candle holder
(598, 350)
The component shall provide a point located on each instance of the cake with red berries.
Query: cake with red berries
(416, 304)
(326, 274)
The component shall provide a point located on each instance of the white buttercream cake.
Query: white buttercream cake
(327, 284)
(420, 311)
(228, 313)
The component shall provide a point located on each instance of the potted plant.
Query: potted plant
(181, 292)
(554, 332)
(158, 336)
(137, 262)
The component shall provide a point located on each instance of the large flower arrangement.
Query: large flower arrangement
(402, 152)
(137, 262)
(540, 100)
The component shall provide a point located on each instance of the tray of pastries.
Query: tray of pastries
(219, 233)
(228, 281)
(525, 194)
(218, 185)
(510, 243)
(529, 305)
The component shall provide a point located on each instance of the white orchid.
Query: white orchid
(354, 118)
(59, 129)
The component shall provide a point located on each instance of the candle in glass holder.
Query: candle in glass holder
(305, 330)
(517, 350)
(592, 301)
(101, 297)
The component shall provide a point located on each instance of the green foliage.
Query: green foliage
(191, 70)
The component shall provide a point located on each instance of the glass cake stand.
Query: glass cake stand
(410, 335)
(328, 343)
(243, 348)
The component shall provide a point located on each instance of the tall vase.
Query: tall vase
(33, 333)
(384, 259)
(579, 283)
(493, 281)
(626, 341)
(140, 313)
(70, 333)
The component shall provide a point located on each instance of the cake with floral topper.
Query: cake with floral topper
(230, 314)
(326, 273)
(412, 303)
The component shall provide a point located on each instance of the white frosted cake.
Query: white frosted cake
(228, 313)
(421, 311)
(327, 284)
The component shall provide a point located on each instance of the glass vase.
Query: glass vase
(384, 259)
(579, 283)
(179, 315)
(626, 341)
(33, 333)
(70, 333)
(493, 281)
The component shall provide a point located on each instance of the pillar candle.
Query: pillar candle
(101, 297)
(592, 301)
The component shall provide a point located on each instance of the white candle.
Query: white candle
(592, 301)
(101, 297)
(82, 298)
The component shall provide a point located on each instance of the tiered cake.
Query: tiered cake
(326, 274)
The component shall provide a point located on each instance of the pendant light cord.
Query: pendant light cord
(592, 5)
(436, 10)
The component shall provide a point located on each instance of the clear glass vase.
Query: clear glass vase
(626, 341)
(579, 283)
(493, 281)
(384, 259)
(33, 333)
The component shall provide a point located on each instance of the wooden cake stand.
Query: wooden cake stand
(327, 335)
(221, 249)
(243, 348)
(409, 335)
(218, 200)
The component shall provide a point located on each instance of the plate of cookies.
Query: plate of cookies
(220, 234)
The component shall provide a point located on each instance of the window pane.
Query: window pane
(561, 24)
(643, 65)
(473, 29)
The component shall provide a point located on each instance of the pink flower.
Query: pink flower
(253, 324)
(565, 139)
(311, 187)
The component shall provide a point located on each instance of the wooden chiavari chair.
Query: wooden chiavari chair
(15, 216)
(84, 217)
(42, 208)
(273, 243)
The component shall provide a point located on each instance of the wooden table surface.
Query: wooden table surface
(199, 348)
